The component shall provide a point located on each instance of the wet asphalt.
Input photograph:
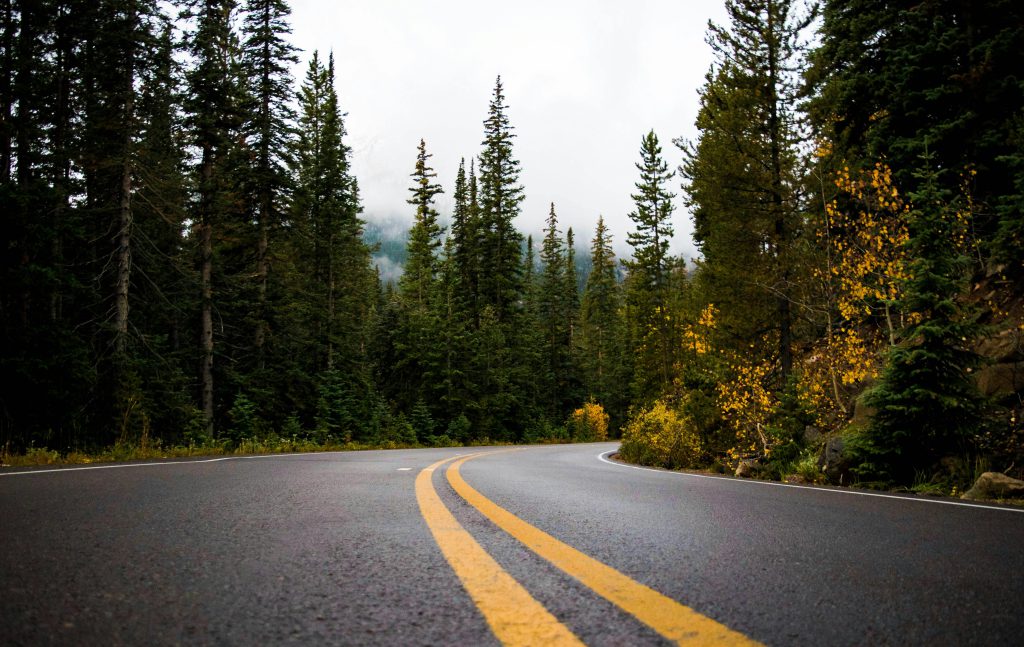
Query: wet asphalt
(332, 549)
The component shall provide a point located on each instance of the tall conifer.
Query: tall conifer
(500, 196)
(649, 271)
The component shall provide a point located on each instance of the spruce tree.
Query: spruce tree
(500, 196)
(425, 237)
(464, 240)
(418, 362)
(339, 286)
(601, 328)
(266, 60)
(741, 176)
(552, 311)
(649, 272)
(214, 109)
(927, 404)
(890, 80)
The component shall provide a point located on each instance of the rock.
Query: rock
(995, 270)
(747, 468)
(833, 462)
(812, 435)
(994, 485)
(1003, 347)
(862, 412)
(1000, 379)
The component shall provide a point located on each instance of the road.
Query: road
(538, 545)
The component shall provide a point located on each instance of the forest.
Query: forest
(185, 265)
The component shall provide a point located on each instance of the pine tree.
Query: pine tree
(649, 272)
(266, 59)
(500, 196)
(927, 403)
(742, 174)
(214, 110)
(601, 334)
(425, 237)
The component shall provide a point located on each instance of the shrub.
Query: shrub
(661, 437)
(458, 429)
(588, 423)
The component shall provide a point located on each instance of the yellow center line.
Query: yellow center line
(514, 616)
(674, 621)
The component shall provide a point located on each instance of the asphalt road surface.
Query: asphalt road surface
(535, 545)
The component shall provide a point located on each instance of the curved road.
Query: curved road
(536, 544)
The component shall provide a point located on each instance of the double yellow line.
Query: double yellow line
(515, 617)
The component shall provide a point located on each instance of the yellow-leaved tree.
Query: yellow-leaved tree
(588, 423)
(863, 235)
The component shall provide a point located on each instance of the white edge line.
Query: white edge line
(603, 456)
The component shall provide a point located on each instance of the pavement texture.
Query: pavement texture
(333, 549)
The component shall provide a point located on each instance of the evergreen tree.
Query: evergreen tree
(266, 59)
(649, 273)
(425, 237)
(417, 368)
(891, 80)
(552, 310)
(500, 196)
(214, 109)
(339, 286)
(927, 402)
(600, 338)
(742, 175)
(464, 234)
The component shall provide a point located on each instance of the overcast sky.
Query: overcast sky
(584, 81)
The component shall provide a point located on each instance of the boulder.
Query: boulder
(1003, 347)
(747, 468)
(1000, 379)
(862, 412)
(812, 435)
(833, 461)
(994, 485)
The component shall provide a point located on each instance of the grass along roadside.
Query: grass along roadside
(41, 456)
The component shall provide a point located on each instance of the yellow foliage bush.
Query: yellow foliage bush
(747, 404)
(588, 423)
(661, 437)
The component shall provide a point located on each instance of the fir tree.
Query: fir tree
(266, 59)
(649, 271)
(741, 176)
(927, 402)
(600, 338)
(425, 237)
(500, 195)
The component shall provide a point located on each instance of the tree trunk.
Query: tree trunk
(781, 228)
(262, 272)
(206, 289)
(125, 216)
(6, 97)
